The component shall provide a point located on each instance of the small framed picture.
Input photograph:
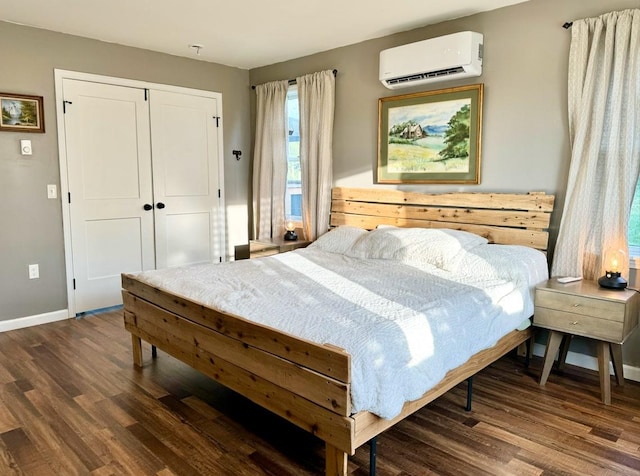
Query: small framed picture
(431, 137)
(21, 113)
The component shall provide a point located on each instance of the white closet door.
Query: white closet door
(184, 142)
(109, 176)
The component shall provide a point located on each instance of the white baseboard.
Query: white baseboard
(591, 363)
(28, 321)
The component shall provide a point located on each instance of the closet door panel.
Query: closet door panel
(184, 238)
(184, 150)
(109, 174)
(109, 149)
(185, 178)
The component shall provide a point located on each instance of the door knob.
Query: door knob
(160, 205)
(147, 207)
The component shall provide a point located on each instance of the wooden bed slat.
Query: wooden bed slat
(477, 216)
(536, 201)
(532, 238)
(171, 328)
(327, 360)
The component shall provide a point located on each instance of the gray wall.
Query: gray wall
(525, 142)
(32, 224)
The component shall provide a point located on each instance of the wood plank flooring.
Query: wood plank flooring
(72, 403)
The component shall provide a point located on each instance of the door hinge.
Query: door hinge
(64, 106)
(221, 259)
(219, 195)
(74, 283)
(69, 197)
(146, 91)
(217, 118)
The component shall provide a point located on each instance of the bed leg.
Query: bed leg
(469, 393)
(335, 462)
(154, 352)
(373, 453)
(136, 346)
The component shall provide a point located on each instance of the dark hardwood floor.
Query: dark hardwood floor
(72, 403)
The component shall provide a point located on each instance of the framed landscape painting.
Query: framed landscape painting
(21, 113)
(431, 137)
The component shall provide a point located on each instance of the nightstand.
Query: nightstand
(257, 248)
(585, 309)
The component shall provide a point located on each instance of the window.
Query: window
(634, 229)
(296, 205)
(293, 197)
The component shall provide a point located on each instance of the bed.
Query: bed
(321, 387)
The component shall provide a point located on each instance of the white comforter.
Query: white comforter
(405, 325)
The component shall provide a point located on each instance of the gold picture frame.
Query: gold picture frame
(431, 137)
(21, 113)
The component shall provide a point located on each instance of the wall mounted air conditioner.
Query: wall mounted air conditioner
(445, 58)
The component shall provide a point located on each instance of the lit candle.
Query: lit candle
(614, 264)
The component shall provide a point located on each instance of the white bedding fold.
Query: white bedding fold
(404, 326)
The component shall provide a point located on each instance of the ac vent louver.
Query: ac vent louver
(430, 74)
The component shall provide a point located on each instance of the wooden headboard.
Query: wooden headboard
(504, 218)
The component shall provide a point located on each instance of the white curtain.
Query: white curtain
(604, 129)
(316, 96)
(270, 160)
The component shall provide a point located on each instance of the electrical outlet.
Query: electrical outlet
(34, 271)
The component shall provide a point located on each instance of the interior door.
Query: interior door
(184, 143)
(109, 175)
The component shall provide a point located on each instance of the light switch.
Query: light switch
(25, 147)
(52, 191)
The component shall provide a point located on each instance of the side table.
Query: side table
(584, 308)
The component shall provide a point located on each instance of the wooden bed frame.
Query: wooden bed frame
(307, 383)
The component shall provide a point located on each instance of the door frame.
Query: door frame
(60, 75)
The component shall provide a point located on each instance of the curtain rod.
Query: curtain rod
(567, 25)
(293, 81)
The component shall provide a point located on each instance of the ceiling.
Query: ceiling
(246, 34)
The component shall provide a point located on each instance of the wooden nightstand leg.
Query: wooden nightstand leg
(616, 357)
(553, 343)
(603, 369)
(564, 350)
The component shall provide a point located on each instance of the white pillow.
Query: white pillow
(339, 240)
(438, 247)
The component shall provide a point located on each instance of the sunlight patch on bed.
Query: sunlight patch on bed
(419, 344)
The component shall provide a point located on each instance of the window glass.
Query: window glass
(293, 197)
